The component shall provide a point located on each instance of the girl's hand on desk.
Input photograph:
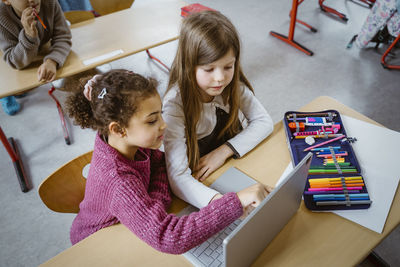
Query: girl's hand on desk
(47, 71)
(212, 161)
(28, 21)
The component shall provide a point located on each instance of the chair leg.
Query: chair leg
(290, 38)
(383, 62)
(156, 59)
(61, 114)
(369, 3)
(332, 11)
(12, 150)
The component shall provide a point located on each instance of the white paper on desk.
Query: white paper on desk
(376, 150)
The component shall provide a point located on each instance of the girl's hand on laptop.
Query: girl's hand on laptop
(246, 212)
(212, 161)
(253, 195)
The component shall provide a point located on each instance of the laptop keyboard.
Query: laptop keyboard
(210, 253)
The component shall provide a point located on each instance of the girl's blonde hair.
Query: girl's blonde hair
(204, 38)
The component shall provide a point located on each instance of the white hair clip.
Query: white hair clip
(102, 93)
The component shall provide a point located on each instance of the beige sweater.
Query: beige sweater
(19, 50)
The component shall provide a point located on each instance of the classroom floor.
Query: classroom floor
(283, 78)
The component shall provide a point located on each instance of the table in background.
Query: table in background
(309, 239)
(127, 31)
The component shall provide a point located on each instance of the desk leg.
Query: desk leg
(331, 10)
(383, 62)
(12, 150)
(156, 59)
(61, 114)
(289, 39)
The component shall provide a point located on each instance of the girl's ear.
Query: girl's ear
(116, 129)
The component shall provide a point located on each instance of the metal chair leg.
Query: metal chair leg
(383, 62)
(61, 114)
(12, 150)
(156, 59)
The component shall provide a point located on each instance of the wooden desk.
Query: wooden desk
(309, 239)
(131, 30)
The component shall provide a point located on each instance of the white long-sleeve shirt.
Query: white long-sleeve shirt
(256, 122)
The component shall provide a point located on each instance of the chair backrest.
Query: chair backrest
(63, 190)
(106, 7)
(76, 16)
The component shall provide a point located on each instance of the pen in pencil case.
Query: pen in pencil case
(351, 202)
(331, 171)
(323, 167)
(318, 181)
(339, 197)
(314, 121)
(336, 151)
(329, 192)
(336, 185)
(322, 114)
(323, 143)
(323, 131)
(328, 148)
(341, 164)
(316, 136)
(335, 179)
(331, 162)
(328, 156)
(335, 188)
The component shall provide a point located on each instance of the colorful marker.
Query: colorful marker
(335, 188)
(329, 192)
(324, 143)
(326, 148)
(352, 202)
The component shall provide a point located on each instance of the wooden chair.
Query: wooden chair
(63, 190)
(106, 7)
(76, 16)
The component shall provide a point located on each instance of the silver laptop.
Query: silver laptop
(240, 243)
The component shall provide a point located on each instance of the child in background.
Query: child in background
(127, 181)
(210, 107)
(23, 39)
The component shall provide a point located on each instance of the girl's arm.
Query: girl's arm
(19, 50)
(158, 187)
(182, 183)
(61, 38)
(148, 219)
(259, 126)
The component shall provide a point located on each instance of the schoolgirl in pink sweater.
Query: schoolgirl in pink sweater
(127, 181)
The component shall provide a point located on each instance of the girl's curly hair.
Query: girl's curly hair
(124, 91)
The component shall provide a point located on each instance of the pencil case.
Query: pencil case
(334, 181)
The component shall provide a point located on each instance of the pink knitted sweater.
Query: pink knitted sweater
(136, 194)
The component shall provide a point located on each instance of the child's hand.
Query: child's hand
(47, 71)
(28, 21)
(246, 212)
(252, 196)
(212, 161)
